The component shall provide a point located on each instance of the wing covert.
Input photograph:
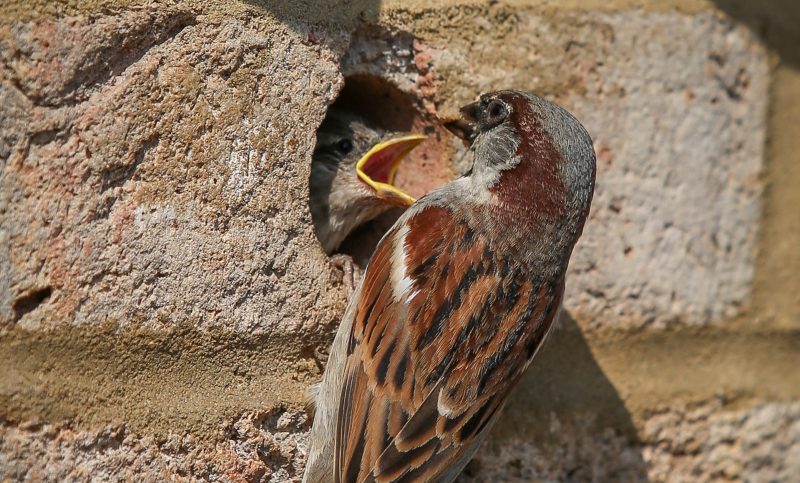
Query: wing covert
(442, 331)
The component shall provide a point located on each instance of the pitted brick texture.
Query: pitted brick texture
(681, 443)
(164, 182)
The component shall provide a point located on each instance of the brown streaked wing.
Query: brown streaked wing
(425, 376)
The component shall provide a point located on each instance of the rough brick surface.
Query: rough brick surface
(161, 179)
(260, 447)
(679, 127)
(679, 443)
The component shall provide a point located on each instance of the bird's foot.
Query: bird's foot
(351, 273)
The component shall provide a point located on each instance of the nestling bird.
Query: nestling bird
(352, 172)
(458, 298)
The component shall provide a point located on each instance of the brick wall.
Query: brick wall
(162, 291)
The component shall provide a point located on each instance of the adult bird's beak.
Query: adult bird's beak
(379, 165)
(465, 128)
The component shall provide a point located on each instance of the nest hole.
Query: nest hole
(381, 103)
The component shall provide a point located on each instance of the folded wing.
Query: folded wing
(443, 330)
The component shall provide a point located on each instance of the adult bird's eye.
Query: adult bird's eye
(344, 146)
(497, 111)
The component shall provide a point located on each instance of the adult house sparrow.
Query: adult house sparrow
(459, 296)
(352, 171)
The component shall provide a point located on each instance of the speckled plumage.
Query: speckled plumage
(456, 301)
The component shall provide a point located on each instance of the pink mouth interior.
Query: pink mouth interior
(379, 166)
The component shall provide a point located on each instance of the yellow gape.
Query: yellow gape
(378, 166)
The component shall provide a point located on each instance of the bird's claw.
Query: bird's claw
(351, 273)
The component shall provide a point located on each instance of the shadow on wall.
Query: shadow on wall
(566, 413)
(777, 22)
(333, 13)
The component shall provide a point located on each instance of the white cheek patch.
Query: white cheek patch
(402, 284)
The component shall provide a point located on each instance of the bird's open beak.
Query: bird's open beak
(379, 165)
(465, 128)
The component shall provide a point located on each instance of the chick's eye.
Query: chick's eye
(344, 146)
